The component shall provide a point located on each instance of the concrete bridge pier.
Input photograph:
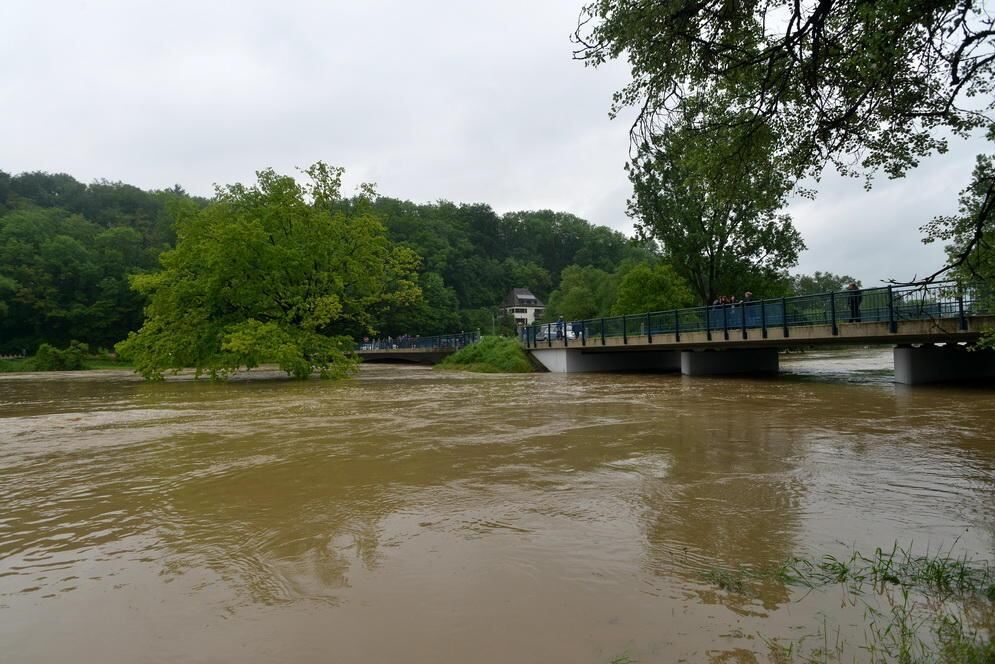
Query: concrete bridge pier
(729, 361)
(934, 364)
(575, 360)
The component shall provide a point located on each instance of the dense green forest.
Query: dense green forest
(66, 252)
(68, 249)
(69, 254)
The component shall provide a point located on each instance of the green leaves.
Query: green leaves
(584, 292)
(276, 272)
(713, 206)
(861, 85)
(971, 232)
(651, 288)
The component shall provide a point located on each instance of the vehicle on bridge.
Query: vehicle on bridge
(550, 331)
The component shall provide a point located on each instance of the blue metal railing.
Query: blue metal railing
(776, 317)
(407, 342)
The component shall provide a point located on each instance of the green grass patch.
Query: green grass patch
(918, 609)
(489, 355)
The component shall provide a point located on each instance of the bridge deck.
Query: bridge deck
(906, 332)
(939, 312)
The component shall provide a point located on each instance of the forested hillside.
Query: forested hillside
(472, 257)
(67, 250)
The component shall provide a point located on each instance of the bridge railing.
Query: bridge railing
(439, 342)
(887, 304)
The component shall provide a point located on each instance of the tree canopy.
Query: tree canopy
(584, 292)
(821, 282)
(271, 272)
(862, 85)
(66, 252)
(651, 288)
(714, 207)
(970, 233)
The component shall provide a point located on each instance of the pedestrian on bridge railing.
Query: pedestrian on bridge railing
(854, 298)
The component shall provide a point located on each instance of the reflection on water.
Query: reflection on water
(417, 516)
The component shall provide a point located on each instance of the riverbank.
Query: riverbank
(28, 364)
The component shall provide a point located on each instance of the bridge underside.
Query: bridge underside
(688, 362)
(750, 352)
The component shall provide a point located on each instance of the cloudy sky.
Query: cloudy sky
(465, 101)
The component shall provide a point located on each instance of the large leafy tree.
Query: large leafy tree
(584, 292)
(713, 204)
(648, 287)
(862, 86)
(271, 272)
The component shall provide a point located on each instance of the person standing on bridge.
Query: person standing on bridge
(854, 298)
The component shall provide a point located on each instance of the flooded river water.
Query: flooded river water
(411, 515)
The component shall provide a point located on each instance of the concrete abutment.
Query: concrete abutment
(936, 364)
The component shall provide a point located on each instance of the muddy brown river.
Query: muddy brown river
(411, 515)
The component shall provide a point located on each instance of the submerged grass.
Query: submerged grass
(938, 573)
(918, 609)
(489, 355)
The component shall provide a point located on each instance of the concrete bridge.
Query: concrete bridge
(419, 350)
(927, 324)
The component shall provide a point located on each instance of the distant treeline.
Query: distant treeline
(67, 250)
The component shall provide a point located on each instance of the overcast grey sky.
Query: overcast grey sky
(465, 101)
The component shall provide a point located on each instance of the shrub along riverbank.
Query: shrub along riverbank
(76, 357)
(489, 355)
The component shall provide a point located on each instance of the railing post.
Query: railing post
(649, 329)
(763, 318)
(743, 307)
(566, 334)
(708, 323)
(725, 321)
(677, 325)
(832, 312)
(602, 331)
(960, 310)
(583, 333)
(549, 335)
(784, 315)
(625, 330)
(892, 325)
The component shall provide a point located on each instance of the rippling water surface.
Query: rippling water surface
(410, 515)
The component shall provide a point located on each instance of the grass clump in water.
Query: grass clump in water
(489, 355)
(918, 609)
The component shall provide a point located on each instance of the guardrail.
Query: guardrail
(890, 304)
(439, 342)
